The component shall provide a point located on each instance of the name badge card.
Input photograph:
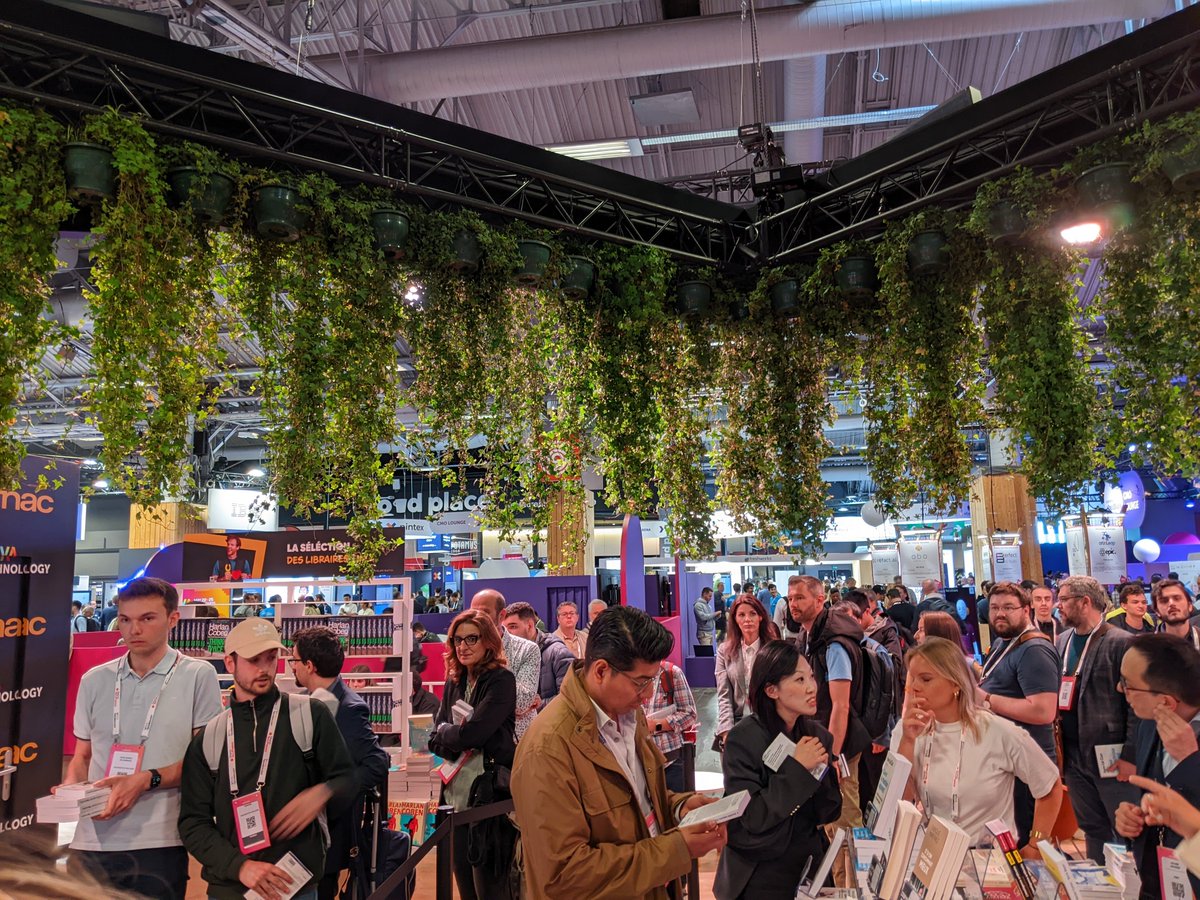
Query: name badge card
(1173, 876)
(125, 759)
(1066, 692)
(652, 824)
(251, 821)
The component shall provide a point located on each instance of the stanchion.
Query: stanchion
(444, 877)
(687, 759)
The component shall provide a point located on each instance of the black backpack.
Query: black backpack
(93, 624)
(881, 695)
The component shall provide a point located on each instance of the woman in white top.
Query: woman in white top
(964, 758)
(750, 628)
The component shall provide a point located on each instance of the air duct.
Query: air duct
(684, 45)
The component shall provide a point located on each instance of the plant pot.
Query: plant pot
(692, 299)
(277, 213)
(536, 256)
(207, 195)
(739, 310)
(856, 277)
(580, 277)
(927, 253)
(785, 298)
(91, 176)
(1006, 222)
(1105, 185)
(466, 253)
(1181, 165)
(390, 227)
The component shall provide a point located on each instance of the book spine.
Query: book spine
(1013, 857)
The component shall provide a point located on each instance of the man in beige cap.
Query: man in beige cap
(289, 762)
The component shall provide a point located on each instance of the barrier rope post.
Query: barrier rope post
(444, 878)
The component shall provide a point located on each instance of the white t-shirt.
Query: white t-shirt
(1005, 752)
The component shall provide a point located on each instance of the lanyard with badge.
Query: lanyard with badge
(1066, 690)
(126, 759)
(928, 758)
(249, 816)
(991, 664)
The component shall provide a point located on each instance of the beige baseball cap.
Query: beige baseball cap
(251, 637)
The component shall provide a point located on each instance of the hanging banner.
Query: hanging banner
(37, 569)
(920, 557)
(1107, 546)
(885, 563)
(1006, 560)
(985, 556)
(280, 554)
(1076, 551)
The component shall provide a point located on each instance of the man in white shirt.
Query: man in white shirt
(134, 718)
(524, 659)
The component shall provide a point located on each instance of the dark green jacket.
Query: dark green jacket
(206, 811)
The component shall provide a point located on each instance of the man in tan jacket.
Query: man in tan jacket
(596, 818)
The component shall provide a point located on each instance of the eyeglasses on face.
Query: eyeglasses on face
(1129, 689)
(1006, 609)
(469, 639)
(641, 685)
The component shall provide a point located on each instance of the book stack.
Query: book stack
(415, 781)
(938, 863)
(996, 880)
(1007, 842)
(72, 802)
(1120, 864)
(1081, 880)
(899, 857)
(881, 813)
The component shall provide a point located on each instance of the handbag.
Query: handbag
(490, 842)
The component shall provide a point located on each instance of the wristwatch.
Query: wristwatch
(987, 701)
(155, 779)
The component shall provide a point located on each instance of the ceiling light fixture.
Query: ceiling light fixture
(593, 150)
(1082, 233)
(100, 484)
(256, 473)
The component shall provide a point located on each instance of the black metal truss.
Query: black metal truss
(1038, 123)
(76, 64)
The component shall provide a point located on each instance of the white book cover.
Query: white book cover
(723, 810)
(881, 815)
(904, 840)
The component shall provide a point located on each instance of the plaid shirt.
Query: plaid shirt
(683, 719)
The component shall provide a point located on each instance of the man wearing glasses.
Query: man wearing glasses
(1160, 678)
(596, 817)
(1020, 682)
(1098, 729)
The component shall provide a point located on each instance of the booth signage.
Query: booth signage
(37, 533)
(920, 559)
(1006, 563)
(1076, 551)
(281, 554)
(238, 510)
(885, 563)
(1106, 544)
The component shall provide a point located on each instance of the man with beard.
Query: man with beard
(1174, 610)
(1020, 682)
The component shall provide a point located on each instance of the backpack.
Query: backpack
(92, 624)
(300, 715)
(881, 695)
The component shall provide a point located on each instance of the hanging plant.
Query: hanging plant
(935, 347)
(33, 202)
(155, 348)
(1037, 353)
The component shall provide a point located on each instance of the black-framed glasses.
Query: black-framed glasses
(1127, 688)
(469, 639)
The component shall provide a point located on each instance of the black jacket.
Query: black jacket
(1102, 713)
(828, 628)
(490, 728)
(206, 808)
(1184, 778)
(370, 763)
(780, 829)
(903, 613)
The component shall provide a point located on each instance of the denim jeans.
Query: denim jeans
(157, 872)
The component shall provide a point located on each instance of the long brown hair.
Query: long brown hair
(766, 627)
(943, 625)
(489, 640)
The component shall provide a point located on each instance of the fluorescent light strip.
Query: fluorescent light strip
(600, 149)
(864, 118)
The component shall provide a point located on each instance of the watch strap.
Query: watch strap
(155, 779)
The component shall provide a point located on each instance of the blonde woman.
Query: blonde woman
(965, 759)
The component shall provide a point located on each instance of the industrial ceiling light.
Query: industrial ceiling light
(1082, 233)
(256, 473)
(600, 149)
(100, 484)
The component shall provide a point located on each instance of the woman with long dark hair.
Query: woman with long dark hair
(482, 742)
(749, 628)
(773, 842)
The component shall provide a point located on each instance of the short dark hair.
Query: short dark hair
(894, 593)
(1134, 587)
(75, 604)
(737, 588)
(623, 635)
(1012, 589)
(420, 625)
(706, 590)
(1168, 582)
(1174, 575)
(233, 537)
(141, 588)
(775, 661)
(321, 647)
(858, 598)
(1172, 665)
(1027, 584)
(521, 610)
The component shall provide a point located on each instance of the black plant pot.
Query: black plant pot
(390, 227)
(1181, 165)
(785, 298)
(856, 277)
(739, 310)
(1006, 222)
(277, 212)
(536, 256)
(1102, 186)
(466, 253)
(91, 176)
(579, 278)
(692, 299)
(208, 195)
(928, 253)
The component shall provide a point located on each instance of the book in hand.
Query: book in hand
(938, 862)
(296, 870)
(904, 838)
(881, 813)
(722, 810)
(72, 802)
(668, 710)
(461, 711)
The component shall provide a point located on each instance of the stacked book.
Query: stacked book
(1081, 880)
(415, 780)
(890, 869)
(72, 802)
(1121, 866)
(939, 862)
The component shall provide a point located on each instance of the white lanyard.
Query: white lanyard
(1082, 653)
(232, 754)
(962, 743)
(124, 664)
(992, 663)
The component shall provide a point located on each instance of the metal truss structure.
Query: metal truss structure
(1039, 123)
(76, 64)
